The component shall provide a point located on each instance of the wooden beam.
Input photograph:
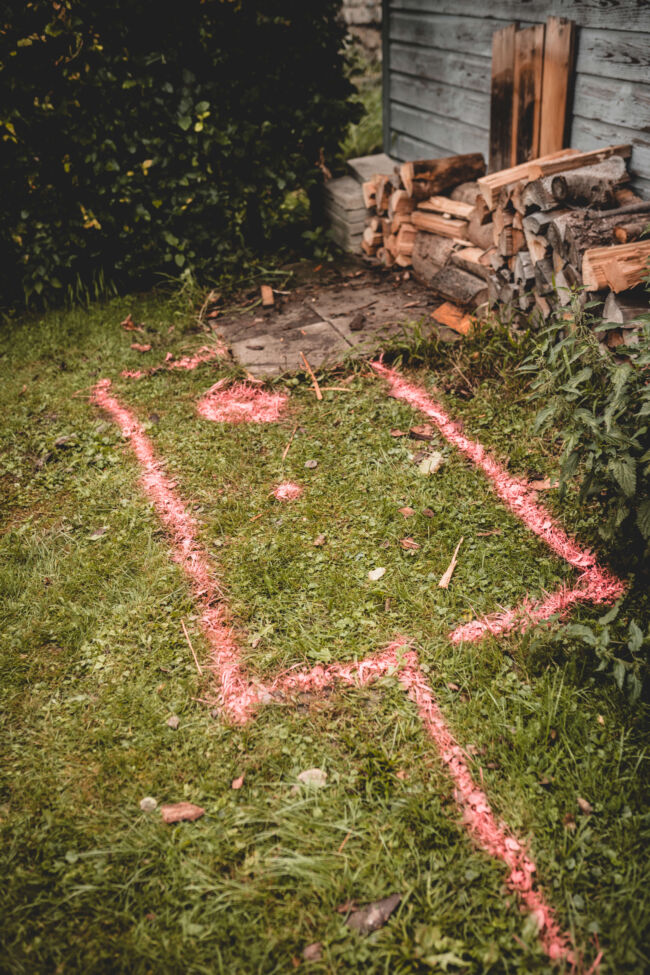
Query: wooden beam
(502, 97)
(557, 90)
(528, 78)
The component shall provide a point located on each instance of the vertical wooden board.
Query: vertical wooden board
(529, 70)
(502, 97)
(557, 92)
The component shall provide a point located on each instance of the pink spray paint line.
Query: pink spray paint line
(595, 584)
(241, 696)
(241, 403)
(205, 354)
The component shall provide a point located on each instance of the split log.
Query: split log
(492, 184)
(590, 185)
(469, 259)
(459, 286)
(624, 195)
(620, 267)
(466, 193)
(453, 317)
(538, 194)
(524, 271)
(627, 310)
(430, 254)
(427, 177)
(434, 223)
(544, 275)
(543, 307)
(537, 245)
(583, 229)
(480, 234)
(444, 205)
(549, 167)
(405, 240)
(399, 203)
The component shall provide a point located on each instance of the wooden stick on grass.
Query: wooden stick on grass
(309, 369)
(446, 579)
(286, 449)
(189, 642)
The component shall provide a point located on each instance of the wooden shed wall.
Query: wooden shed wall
(437, 56)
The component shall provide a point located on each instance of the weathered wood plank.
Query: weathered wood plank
(617, 14)
(502, 97)
(529, 63)
(459, 103)
(405, 147)
(619, 54)
(610, 100)
(465, 70)
(557, 90)
(445, 33)
(453, 135)
(589, 134)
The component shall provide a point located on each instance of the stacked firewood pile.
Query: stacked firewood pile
(527, 237)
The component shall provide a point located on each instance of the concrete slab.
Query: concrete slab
(365, 167)
(269, 355)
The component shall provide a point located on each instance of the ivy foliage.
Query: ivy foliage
(140, 137)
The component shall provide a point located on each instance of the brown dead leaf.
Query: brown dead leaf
(423, 432)
(452, 686)
(544, 485)
(569, 822)
(398, 433)
(373, 916)
(177, 812)
(129, 325)
(409, 544)
(140, 348)
(319, 540)
(406, 512)
(238, 782)
(313, 952)
(446, 578)
(346, 907)
(402, 774)
(585, 807)
(428, 513)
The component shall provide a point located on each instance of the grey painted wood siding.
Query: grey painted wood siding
(437, 74)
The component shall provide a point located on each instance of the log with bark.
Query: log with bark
(430, 254)
(620, 267)
(428, 177)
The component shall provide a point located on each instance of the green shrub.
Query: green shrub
(599, 405)
(139, 137)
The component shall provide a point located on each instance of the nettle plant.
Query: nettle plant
(599, 406)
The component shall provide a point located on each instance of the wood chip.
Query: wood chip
(267, 296)
(446, 578)
(177, 812)
(409, 544)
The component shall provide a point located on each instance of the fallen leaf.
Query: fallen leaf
(407, 512)
(569, 822)
(311, 464)
(544, 485)
(346, 907)
(398, 433)
(173, 722)
(452, 686)
(431, 463)
(98, 533)
(423, 432)
(373, 916)
(313, 777)
(238, 783)
(585, 807)
(148, 804)
(402, 774)
(409, 544)
(375, 574)
(129, 325)
(600, 719)
(319, 540)
(176, 812)
(313, 952)
(140, 348)
(428, 513)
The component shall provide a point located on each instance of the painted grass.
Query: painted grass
(94, 661)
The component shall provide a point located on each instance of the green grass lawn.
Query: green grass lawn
(94, 662)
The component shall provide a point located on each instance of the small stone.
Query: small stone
(173, 722)
(375, 574)
(313, 952)
(148, 804)
(314, 777)
(311, 465)
(319, 540)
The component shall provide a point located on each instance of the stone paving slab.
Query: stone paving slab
(315, 318)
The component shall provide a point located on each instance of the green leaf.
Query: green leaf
(643, 518)
(636, 637)
(185, 121)
(619, 671)
(624, 471)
